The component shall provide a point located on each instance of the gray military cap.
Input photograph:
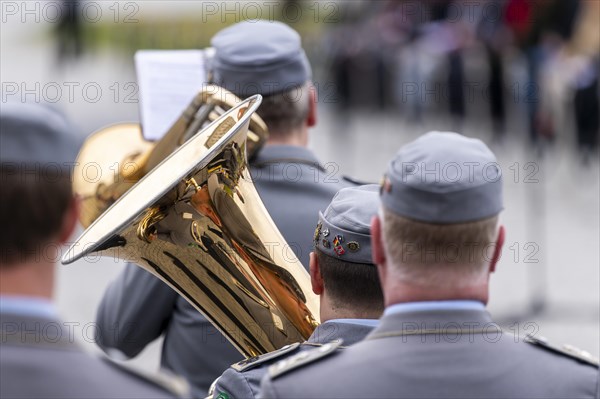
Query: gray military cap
(259, 57)
(443, 178)
(343, 230)
(36, 136)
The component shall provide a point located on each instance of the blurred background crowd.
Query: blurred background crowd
(520, 74)
(465, 58)
(540, 55)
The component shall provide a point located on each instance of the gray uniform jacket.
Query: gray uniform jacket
(294, 187)
(40, 359)
(137, 307)
(467, 364)
(242, 380)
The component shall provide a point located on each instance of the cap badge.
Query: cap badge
(386, 185)
(325, 232)
(326, 243)
(353, 246)
(337, 245)
(317, 232)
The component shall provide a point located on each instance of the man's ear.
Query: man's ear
(311, 119)
(70, 220)
(378, 254)
(315, 274)
(377, 250)
(497, 249)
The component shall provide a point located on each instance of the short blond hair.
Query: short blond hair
(426, 253)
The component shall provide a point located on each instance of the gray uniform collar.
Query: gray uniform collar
(38, 332)
(435, 320)
(285, 153)
(350, 333)
(20, 321)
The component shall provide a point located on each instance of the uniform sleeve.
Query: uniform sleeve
(234, 385)
(134, 311)
(267, 391)
(598, 385)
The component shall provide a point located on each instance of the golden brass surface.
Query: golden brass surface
(197, 222)
(113, 159)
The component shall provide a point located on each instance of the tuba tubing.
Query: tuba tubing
(114, 158)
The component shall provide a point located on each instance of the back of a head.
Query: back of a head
(37, 152)
(343, 249)
(441, 198)
(265, 57)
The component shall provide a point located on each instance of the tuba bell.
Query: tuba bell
(197, 222)
(113, 159)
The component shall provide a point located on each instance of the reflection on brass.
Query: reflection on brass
(197, 222)
(220, 131)
(146, 229)
(192, 183)
(115, 158)
(251, 295)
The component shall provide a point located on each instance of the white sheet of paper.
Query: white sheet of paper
(168, 80)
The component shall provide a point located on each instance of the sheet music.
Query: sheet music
(168, 80)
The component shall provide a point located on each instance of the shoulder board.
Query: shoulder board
(255, 361)
(164, 380)
(565, 350)
(355, 181)
(303, 358)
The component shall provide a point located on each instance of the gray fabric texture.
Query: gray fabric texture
(36, 137)
(40, 359)
(294, 187)
(245, 384)
(344, 230)
(259, 57)
(444, 177)
(448, 365)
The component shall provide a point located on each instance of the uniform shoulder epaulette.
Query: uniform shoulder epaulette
(168, 382)
(354, 181)
(303, 358)
(565, 350)
(255, 361)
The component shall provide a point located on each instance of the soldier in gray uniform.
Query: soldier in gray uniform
(267, 58)
(40, 357)
(435, 243)
(250, 57)
(342, 274)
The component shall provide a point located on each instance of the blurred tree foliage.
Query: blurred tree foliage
(195, 31)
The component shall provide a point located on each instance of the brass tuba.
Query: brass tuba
(113, 159)
(197, 222)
